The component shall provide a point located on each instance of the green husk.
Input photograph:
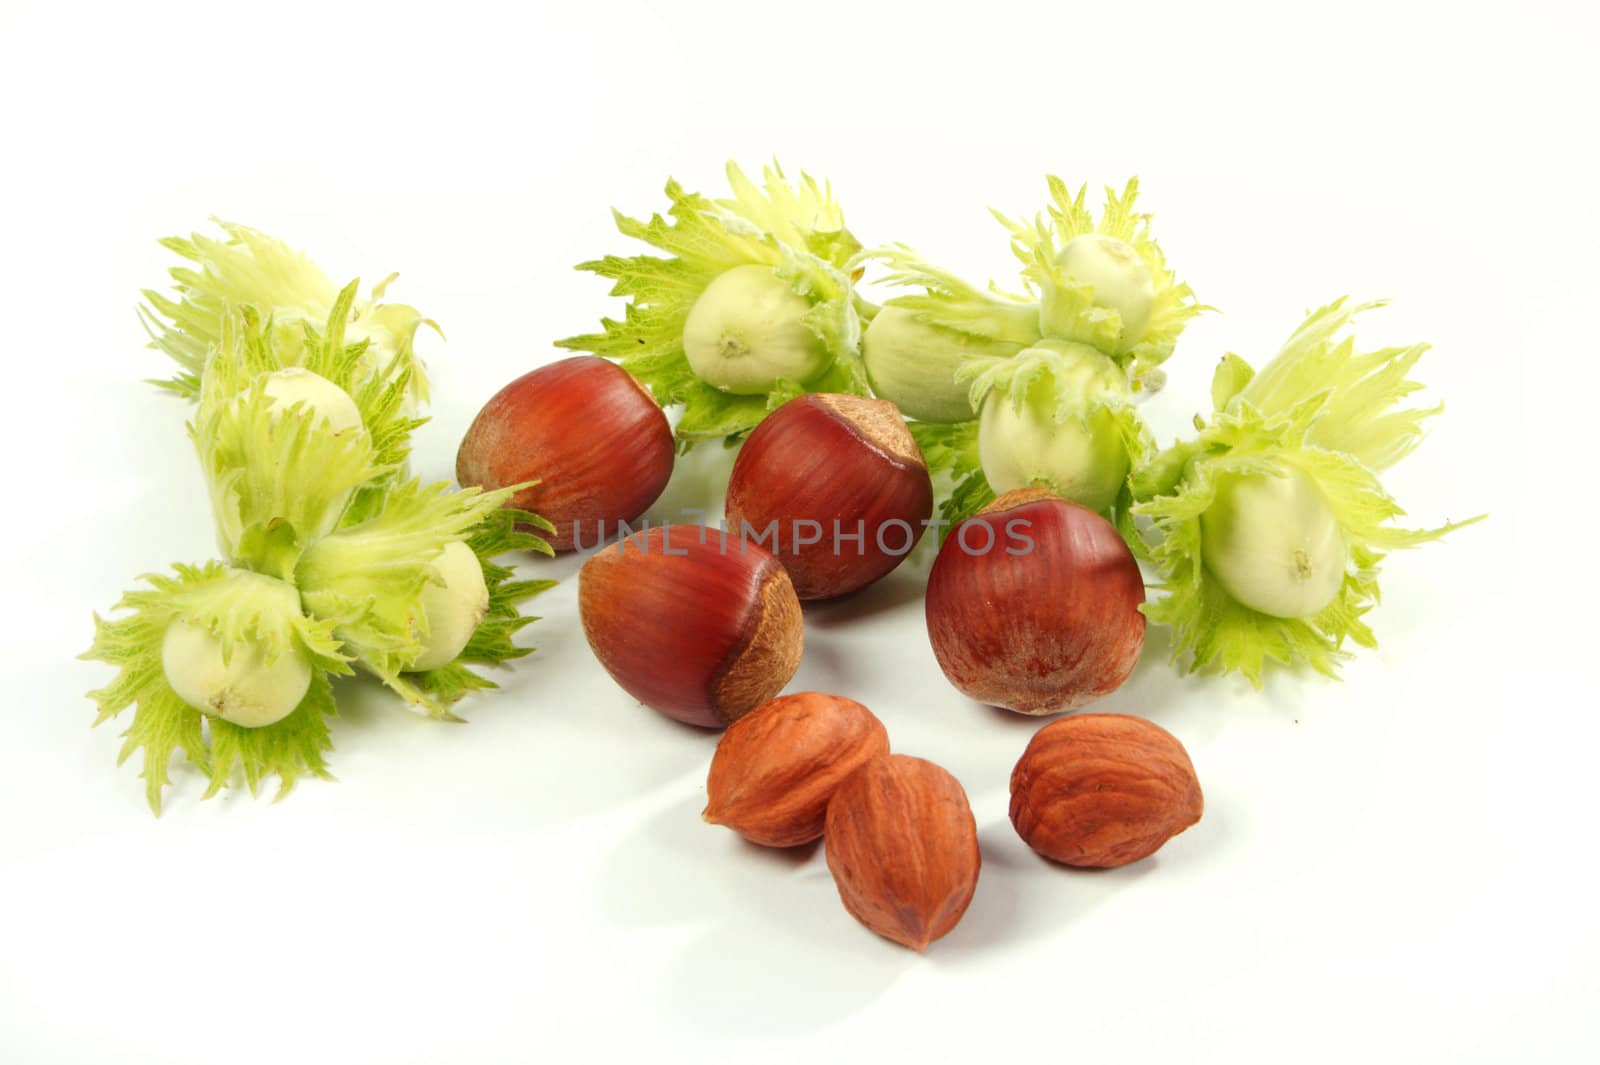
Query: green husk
(1319, 408)
(797, 230)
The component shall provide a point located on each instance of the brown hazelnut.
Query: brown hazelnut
(1033, 605)
(902, 845)
(840, 487)
(691, 622)
(598, 446)
(777, 766)
(1103, 790)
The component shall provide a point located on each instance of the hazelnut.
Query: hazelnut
(691, 622)
(1102, 790)
(902, 845)
(598, 446)
(1033, 605)
(840, 487)
(777, 766)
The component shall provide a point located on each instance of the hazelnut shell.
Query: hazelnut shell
(841, 462)
(691, 622)
(599, 447)
(1038, 627)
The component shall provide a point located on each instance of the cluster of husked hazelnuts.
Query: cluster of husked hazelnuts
(1032, 604)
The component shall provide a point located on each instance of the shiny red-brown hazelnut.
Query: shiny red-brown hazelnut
(837, 485)
(691, 622)
(1033, 605)
(583, 428)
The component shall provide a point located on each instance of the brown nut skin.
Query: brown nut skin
(823, 461)
(1036, 630)
(777, 766)
(598, 445)
(902, 845)
(692, 623)
(1103, 790)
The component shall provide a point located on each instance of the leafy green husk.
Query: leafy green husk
(219, 598)
(230, 431)
(500, 532)
(998, 323)
(249, 268)
(1360, 388)
(1036, 244)
(164, 725)
(327, 510)
(1319, 408)
(1080, 392)
(1007, 324)
(279, 482)
(798, 230)
(369, 580)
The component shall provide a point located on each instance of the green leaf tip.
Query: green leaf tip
(245, 267)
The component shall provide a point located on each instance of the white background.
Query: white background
(1396, 867)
